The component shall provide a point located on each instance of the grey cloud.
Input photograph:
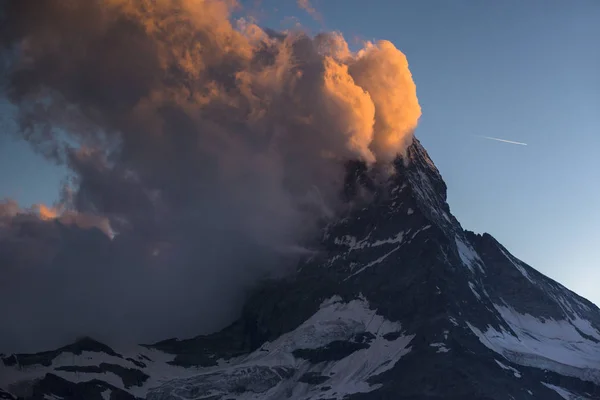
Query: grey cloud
(208, 148)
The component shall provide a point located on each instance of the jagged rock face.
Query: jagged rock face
(400, 303)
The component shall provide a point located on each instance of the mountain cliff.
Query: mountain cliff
(400, 302)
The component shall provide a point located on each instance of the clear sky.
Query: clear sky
(527, 71)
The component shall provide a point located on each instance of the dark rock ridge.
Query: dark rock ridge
(400, 303)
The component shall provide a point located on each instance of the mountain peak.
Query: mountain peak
(399, 302)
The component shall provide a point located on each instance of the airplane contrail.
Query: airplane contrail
(503, 140)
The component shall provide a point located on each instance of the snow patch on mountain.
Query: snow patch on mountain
(414, 235)
(353, 244)
(515, 262)
(374, 262)
(332, 354)
(506, 367)
(335, 320)
(441, 348)
(544, 343)
(428, 197)
(351, 374)
(106, 394)
(564, 393)
(152, 363)
(472, 286)
(585, 326)
(468, 255)
(275, 371)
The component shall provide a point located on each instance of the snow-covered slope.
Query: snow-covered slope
(353, 341)
(400, 303)
(331, 355)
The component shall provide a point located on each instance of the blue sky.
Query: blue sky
(520, 70)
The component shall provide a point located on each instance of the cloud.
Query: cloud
(211, 148)
(70, 217)
(382, 70)
(306, 6)
(61, 281)
(8, 208)
(47, 213)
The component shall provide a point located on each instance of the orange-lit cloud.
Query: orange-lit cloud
(47, 213)
(224, 141)
(67, 217)
(196, 39)
(382, 70)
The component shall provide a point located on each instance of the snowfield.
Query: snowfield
(274, 372)
(547, 344)
(303, 363)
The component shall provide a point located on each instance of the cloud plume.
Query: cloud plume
(207, 145)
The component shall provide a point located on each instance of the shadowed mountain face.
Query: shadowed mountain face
(399, 303)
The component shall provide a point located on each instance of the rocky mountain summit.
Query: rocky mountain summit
(400, 302)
